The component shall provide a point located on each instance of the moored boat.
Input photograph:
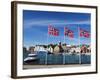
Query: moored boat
(31, 58)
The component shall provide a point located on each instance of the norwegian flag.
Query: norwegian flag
(53, 31)
(50, 30)
(56, 32)
(84, 33)
(68, 32)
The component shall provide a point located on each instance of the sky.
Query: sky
(35, 27)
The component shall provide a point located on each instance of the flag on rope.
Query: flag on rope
(53, 31)
(68, 32)
(84, 33)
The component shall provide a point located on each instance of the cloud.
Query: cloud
(30, 23)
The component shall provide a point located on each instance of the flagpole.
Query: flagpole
(79, 45)
(64, 50)
(47, 48)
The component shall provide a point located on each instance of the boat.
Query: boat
(32, 58)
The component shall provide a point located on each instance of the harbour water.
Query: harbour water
(59, 59)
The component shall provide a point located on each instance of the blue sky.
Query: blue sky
(35, 27)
